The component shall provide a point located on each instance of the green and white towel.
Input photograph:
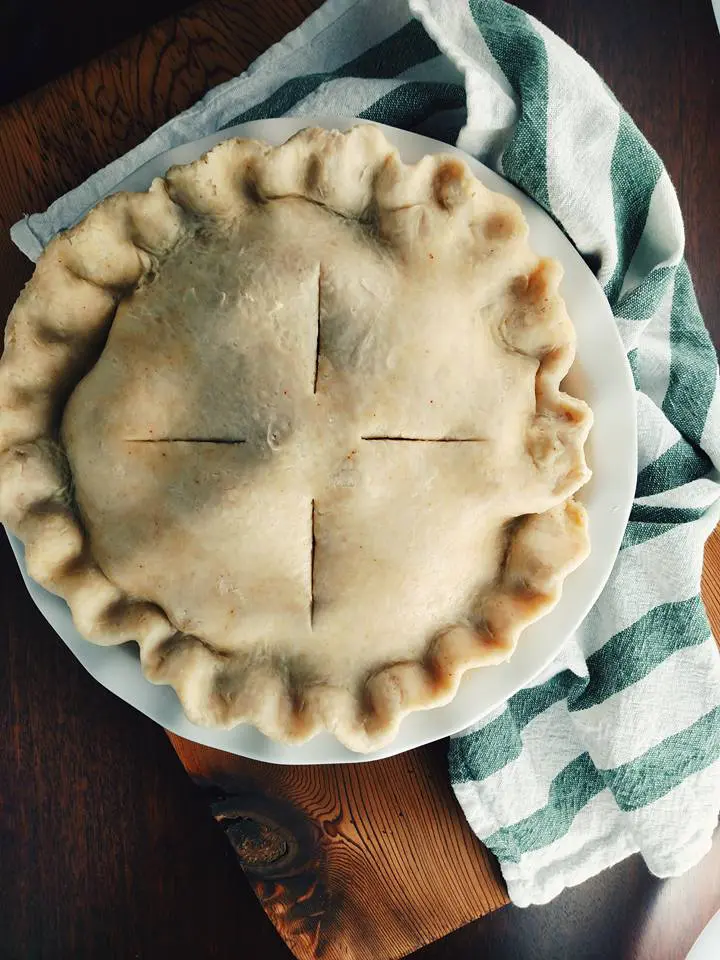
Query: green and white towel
(616, 749)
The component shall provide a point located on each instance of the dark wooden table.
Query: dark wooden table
(106, 848)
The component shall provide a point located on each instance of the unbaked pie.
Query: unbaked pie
(292, 421)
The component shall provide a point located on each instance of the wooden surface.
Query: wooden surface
(355, 861)
(110, 850)
(40, 40)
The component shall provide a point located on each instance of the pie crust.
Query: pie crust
(292, 421)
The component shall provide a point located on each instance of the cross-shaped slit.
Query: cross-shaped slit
(312, 505)
(313, 543)
(317, 331)
(225, 440)
(389, 439)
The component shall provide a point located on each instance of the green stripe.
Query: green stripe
(406, 48)
(646, 513)
(635, 652)
(693, 362)
(680, 464)
(634, 172)
(666, 765)
(282, 100)
(527, 704)
(633, 361)
(637, 533)
(570, 791)
(646, 523)
(411, 103)
(634, 785)
(444, 125)
(643, 302)
(478, 755)
(521, 55)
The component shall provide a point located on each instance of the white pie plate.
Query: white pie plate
(602, 377)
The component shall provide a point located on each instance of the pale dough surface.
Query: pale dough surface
(294, 468)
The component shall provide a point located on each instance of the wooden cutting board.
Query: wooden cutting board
(363, 861)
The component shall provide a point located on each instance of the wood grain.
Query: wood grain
(354, 861)
(111, 851)
(711, 582)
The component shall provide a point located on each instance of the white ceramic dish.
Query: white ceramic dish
(707, 945)
(602, 377)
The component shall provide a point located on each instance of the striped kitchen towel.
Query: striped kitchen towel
(616, 748)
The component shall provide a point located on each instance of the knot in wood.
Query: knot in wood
(261, 844)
